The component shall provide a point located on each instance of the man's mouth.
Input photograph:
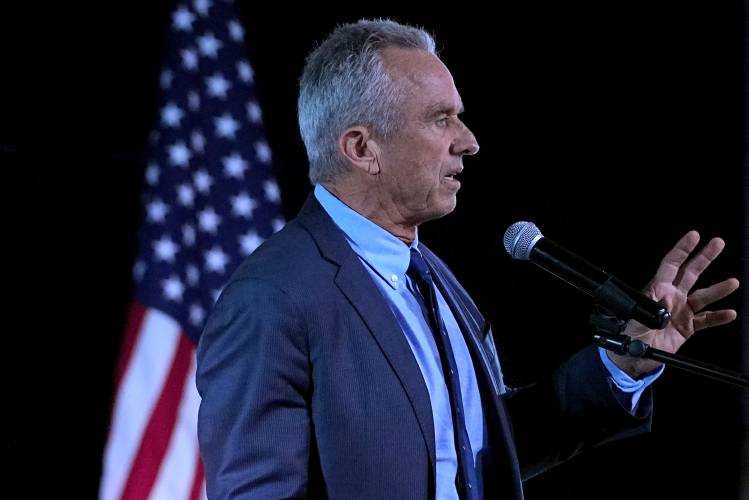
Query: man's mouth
(453, 174)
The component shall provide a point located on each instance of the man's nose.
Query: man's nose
(465, 143)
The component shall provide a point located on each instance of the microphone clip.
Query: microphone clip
(608, 329)
(621, 344)
(605, 322)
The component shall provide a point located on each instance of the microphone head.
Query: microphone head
(520, 238)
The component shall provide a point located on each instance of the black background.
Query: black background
(615, 126)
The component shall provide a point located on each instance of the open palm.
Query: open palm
(672, 287)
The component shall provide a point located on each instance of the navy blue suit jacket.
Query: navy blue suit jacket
(310, 389)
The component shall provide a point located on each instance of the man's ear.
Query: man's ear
(359, 147)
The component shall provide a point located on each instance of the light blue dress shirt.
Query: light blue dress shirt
(630, 389)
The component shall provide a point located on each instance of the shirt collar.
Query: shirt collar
(384, 253)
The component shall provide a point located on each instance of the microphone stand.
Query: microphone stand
(608, 335)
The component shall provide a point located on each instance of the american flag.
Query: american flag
(209, 201)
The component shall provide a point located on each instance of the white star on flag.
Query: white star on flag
(202, 6)
(272, 193)
(173, 288)
(217, 85)
(243, 205)
(244, 70)
(197, 314)
(193, 101)
(262, 151)
(171, 115)
(249, 241)
(193, 275)
(179, 154)
(226, 126)
(189, 59)
(165, 249)
(277, 224)
(234, 166)
(254, 113)
(182, 19)
(152, 174)
(216, 260)
(203, 181)
(188, 235)
(157, 211)
(185, 195)
(208, 220)
(197, 141)
(236, 32)
(209, 45)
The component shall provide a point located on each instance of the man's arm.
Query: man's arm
(254, 380)
(573, 410)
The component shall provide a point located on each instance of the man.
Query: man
(344, 360)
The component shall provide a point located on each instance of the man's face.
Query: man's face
(418, 164)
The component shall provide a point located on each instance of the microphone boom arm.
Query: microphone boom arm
(627, 346)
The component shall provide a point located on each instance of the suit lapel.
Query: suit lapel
(354, 281)
(357, 285)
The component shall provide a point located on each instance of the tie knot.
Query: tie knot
(417, 268)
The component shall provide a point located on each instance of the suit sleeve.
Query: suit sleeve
(574, 410)
(253, 377)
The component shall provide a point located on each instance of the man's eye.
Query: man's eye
(442, 122)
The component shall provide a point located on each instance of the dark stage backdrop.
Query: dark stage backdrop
(616, 127)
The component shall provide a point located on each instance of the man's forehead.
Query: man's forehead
(424, 75)
(411, 63)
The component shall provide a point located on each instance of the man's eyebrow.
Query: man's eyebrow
(443, 108)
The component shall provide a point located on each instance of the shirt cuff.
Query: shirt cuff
(629, 389)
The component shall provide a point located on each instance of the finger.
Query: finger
(708, 319)
(669, 266)
(689, 272)
(703, 297)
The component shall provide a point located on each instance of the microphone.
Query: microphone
(524, 241)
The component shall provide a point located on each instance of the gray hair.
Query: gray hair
(345, 83)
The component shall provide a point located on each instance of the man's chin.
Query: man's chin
(446, 206)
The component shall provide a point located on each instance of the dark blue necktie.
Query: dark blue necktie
(466, 480)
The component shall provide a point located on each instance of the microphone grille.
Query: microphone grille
(520, 238)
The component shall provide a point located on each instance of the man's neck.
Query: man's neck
(366, 203)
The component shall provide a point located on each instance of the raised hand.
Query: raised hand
(672, 286)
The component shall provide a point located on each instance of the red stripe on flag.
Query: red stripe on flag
(197, 482)
(132, 329)
(155, 439)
